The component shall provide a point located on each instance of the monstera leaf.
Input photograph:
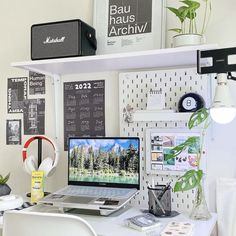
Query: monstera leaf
(188, 181)
(198, 117)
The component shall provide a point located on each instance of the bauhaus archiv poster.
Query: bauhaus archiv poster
(129, 25)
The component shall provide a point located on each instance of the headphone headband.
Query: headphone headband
(30, 140)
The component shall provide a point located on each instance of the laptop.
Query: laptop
(103, 174)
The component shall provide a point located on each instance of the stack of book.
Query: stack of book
(143, 222)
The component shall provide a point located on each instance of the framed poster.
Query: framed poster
(129, 25)
(13, 134)
(34, 116)
(16, 94)
(36, 83)
(159, 143)
(84, 109)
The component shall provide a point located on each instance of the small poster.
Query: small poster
(129, 25)
(36, 83)
(160, 142)
(84, 109)
(34, 116)
(16, 94)
(13, 134)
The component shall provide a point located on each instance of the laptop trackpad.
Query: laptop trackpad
(79, 199)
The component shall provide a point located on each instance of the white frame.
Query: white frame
(174, 132)
(137, 42)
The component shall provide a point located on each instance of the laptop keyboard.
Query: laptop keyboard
(95, 192)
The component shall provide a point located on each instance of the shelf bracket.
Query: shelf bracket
(57, 103)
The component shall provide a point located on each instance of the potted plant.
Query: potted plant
(190, 32)
(193, 179)
(4, 188)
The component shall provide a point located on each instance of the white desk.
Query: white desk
(115, 225)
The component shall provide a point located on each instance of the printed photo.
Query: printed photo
(168, 141)
(157, 156)
(169, 161)
(192, 160)
(156, 166)
(157, 148)
(13, 135)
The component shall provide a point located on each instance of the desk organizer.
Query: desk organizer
(159, 200)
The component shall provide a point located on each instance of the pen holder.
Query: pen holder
(160, 200)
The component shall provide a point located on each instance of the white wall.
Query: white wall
(16, 17)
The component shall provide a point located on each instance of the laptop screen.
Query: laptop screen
(104, 161)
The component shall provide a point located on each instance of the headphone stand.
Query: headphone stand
(40, 147)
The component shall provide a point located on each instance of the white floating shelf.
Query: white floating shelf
(169, 57)
(151, 115)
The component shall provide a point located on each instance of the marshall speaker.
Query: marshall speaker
(62, 39)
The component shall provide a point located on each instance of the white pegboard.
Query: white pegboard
(133, 90)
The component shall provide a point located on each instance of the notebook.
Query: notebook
(103, 174)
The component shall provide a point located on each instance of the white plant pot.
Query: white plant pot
(188, 40)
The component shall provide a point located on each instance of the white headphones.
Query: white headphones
(48, 165)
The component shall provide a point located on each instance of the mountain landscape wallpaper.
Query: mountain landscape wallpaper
(104, 160)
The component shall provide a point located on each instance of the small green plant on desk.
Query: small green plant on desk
(4, 188)
(193, 178)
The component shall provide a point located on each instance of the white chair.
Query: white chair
(20, 223)
(226, 206)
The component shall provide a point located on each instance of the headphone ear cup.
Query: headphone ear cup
(30, 164)
(46, 166)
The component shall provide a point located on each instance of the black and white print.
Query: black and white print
(34, 116)
(36, 83)
(129, 25)
(13, 134)
(16, 94)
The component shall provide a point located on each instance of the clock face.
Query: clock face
(190, 102)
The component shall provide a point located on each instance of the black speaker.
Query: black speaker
(62, 39)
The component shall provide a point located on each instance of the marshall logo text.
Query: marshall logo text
(54, 40)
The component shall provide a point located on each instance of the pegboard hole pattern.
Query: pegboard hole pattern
(133, 90)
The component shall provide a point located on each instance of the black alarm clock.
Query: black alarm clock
(190, 102)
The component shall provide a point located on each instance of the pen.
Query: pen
(153, 185)
(164, 190)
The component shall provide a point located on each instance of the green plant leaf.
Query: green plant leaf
(5, 179)
(177, 12)
(174, 10)
(183, 11)
(191, 9)
(178, 30)
(188, 181)
(194, 5)
(198, 117)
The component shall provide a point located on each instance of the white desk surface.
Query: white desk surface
(115, 225)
